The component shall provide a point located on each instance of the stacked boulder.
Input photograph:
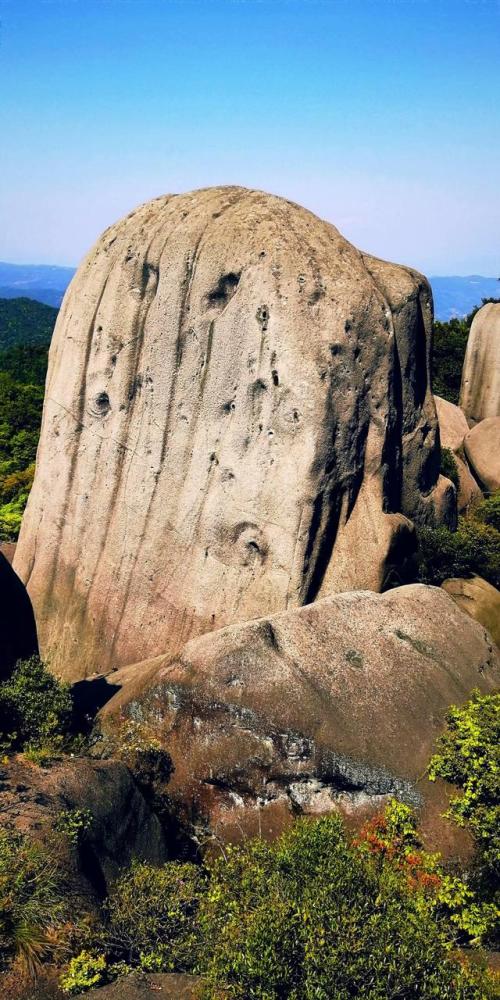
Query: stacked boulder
(238, 420)
(239, 436)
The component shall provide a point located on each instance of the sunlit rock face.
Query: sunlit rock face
(237, 420)
(480, 389)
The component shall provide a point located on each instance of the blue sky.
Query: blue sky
(382, 116)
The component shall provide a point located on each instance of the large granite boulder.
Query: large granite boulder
(238, 420)
(18, 638)
(482, 448)
(479, 599)
(480, 389)
(335, 705)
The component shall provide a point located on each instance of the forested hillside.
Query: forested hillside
(25, 332)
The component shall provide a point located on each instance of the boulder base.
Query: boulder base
(332, 706)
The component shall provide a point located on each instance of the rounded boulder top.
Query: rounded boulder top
(238, 419)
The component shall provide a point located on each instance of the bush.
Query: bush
(152, 916)
(487, 511)
(35, 708)
(33, 901)
(314, 916)
(468, 755)
(449, 467)
(474, 549)
(84, 972)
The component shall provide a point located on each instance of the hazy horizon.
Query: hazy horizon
(381, 117)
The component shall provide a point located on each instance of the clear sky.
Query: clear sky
(382, 116)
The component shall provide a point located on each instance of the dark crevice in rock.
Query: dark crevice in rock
(224, 290)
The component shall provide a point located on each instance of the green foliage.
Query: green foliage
(313, 916)
(25, 332)
(83, 973)
(474, 549)
(449, 467)
(468, 755)
(394, 837)
(20, 416)
(74, 824)
(151, 915)
(488, 511)
(33, 900)
(25, 363)
(25, 321)
(448, 353)
(35, 708)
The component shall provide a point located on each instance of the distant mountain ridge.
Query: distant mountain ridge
(44, 282)
(455, 295)
(458, 295)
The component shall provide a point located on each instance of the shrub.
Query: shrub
(449, 467)
(474, 549)
(314, 916)
(84, 972)
(74, 824)
(488, 511)
(151, 913)
(33, 901)
(468, 755)
(35, 708)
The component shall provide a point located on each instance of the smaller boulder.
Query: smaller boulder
(122, 825)
(482, 448)
(468, 489)
(18, 638)
(479, 600)
(445, 503)
(453, 425)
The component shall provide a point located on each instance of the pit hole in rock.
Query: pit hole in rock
(262, 316)
(224, 290)
(101, 405)
(276, 378)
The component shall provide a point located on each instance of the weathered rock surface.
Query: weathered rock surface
(482, 448)
(480, 389)
(452, 424)
(335, 705)
(147, 987)
(468, 489)
(18, 638)
(478, 599)
(236, 399)
(122, 827)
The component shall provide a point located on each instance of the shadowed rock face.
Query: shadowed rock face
(18, 638)
(480, 389)
(334, 706)
(237, 420)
